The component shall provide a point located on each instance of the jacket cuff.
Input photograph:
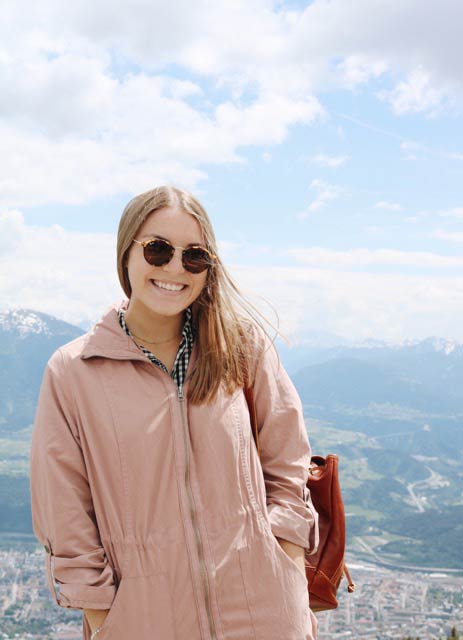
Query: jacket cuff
(294, 527)
(79, 596)
(82, 587)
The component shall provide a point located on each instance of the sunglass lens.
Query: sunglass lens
(158, 252)
(196, 260)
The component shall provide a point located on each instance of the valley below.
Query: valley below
(403, 509)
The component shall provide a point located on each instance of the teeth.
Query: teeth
(168, 286)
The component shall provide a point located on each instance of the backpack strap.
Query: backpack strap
(249, 395)
(350, 585)
(248, 392)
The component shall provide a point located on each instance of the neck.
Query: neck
(150, 325)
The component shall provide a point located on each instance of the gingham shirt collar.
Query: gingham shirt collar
(180, 366)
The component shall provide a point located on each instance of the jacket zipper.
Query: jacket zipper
(193, 518)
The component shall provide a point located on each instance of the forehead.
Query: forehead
(174, 224)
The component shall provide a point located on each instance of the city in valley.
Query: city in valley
(388, 603)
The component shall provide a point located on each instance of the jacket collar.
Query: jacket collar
(108, 339)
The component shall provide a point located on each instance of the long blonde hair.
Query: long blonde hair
(225, 349)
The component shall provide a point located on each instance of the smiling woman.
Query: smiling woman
(163, 265)
(158, 517)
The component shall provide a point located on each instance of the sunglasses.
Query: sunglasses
(158, 252)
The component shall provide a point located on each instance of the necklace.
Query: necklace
(134, 335)
(156, 342)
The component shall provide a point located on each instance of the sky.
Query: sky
(323, 138)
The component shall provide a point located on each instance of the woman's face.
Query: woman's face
(181, 229)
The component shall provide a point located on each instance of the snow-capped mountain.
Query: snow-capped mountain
(27, 340)
(424, 375)
(446, 346)
(22, 323)
(391, 412)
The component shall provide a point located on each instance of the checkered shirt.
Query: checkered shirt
(180, 366)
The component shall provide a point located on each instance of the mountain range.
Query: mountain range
(393, 414)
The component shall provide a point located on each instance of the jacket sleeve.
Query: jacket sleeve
(63, 516)
(285, 451)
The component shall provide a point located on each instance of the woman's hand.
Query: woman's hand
(295, 552)
(96, 617)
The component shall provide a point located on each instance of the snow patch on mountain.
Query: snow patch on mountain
(24, 322)
(442, 345)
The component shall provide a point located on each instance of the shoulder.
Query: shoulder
(263, 351)
(67, 356)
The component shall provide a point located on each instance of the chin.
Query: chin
(168, 308)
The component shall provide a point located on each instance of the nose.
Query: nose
(175, 265)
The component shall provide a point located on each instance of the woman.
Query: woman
(158, 519)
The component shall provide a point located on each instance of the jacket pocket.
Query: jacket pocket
(113, 612)
(277, 590)
(233, 604)
(289, 563)
(142, 608)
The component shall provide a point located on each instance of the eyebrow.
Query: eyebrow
(156, 235)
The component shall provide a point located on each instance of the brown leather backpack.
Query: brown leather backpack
(325, 568)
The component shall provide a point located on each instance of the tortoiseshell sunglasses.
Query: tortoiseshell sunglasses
(158, 252)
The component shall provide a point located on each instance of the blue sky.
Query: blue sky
(324, 140)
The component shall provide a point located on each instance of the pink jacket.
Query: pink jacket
(160, 510)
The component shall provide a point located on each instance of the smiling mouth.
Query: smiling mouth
(169, 286)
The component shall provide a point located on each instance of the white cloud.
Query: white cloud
(326, 192)
(266, 121)
(451, 155)
(358, 69)
(70, 94)
(271, 44)
(389, 206)
(99, 77)
(353, 258)
(149, 138)
(457, 212)
(330, 162)
(35, 272)
(413, 150)
(375, 230)
(11, 228)
(416, 150)
(450, 236)
(357, 305)
(227, 249)
(416, 94)
(412, 146)
(38, 170)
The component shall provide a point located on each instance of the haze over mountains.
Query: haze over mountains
(393, 414)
